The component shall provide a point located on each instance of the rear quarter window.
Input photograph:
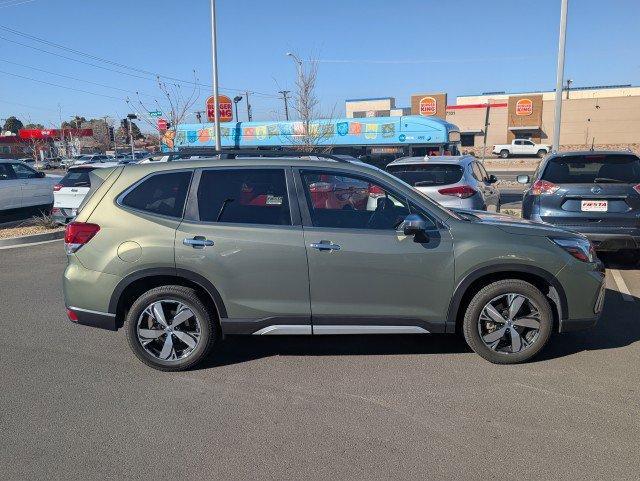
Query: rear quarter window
(427, 175)
(76, 178)
(162, 194)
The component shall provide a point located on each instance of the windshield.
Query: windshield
(421, 175)
(589, 169)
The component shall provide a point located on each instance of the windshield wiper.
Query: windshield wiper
(608, 180)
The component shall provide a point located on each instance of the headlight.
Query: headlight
(578, 247)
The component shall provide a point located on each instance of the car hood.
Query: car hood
(514, 225)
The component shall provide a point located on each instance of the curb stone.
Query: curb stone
(29, 239)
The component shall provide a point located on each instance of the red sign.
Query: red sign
(225, 109)
(163, 125)
(428, 106)
(52, 134)
(524, 107)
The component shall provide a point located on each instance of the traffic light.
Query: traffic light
(112, 134)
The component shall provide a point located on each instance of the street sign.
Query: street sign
(225, 109)
(155, 113)
(162, 125)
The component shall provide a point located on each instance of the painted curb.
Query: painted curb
(30, 239)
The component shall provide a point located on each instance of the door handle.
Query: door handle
(325, 245)
(198, 242)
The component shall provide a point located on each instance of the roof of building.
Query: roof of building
(371, 98)
(592, 87)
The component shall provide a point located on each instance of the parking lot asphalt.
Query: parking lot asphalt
(76, 403)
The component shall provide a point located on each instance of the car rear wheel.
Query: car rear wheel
(504, 154)
(170, 329)
(508, 322)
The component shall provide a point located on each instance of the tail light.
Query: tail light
(543, 187)
(57, 187)
(375, 191)
(581, 249)
(637, 188)
(78, 234)
(460, 191)
(72, 315)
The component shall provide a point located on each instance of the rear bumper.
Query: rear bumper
(102, 320)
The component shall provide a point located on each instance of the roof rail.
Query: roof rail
(234, 153)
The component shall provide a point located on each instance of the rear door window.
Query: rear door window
(24, 172)
(162, 194)
(5, 172)
(587, 169)
(427, 175)
(76, 178)
(244, 196)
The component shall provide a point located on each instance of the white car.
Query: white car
(92, 159)
(525, 147)
(21, 186)
(71, 190)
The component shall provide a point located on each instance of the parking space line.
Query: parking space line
(622, 286)
(30, 244)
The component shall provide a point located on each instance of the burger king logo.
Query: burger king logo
(428, 106)
(524, 107)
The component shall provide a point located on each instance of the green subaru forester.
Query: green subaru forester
(185, 253)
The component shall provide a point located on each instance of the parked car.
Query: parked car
(70, 190)
(49, 163)
(596, 193)
(179, 254)
(22, 186)
(91, 159)
(453, 181)
(521, 147)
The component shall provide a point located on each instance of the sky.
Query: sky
(365, 48)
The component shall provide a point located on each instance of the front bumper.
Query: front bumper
(585, 289)
(613, 241)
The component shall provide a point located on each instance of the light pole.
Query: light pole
(133, 150)
(237, 99)
(249, 116)
(286, 106)
(297, 61)
(560, 75)
(569, 82)
(214, 68)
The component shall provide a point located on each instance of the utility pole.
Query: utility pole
(214, 68)
(560, 75)
(133, 150)
(249, 116)
(286, 106)
(486, 129)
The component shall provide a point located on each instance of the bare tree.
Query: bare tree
(312, 128)
(175, 106)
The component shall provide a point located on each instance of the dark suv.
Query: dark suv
(595, 193)
(184, 253)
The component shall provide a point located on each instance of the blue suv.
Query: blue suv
(596, 193)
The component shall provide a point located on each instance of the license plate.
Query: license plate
(594, 205)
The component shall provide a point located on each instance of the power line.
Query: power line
(110, 62)
(61, 86)
(76, 79)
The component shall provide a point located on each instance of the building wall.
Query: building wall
(471, 119)
(366, 105)
(581, 93)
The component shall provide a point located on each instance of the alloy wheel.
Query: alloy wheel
(509, 323)
(168, 330)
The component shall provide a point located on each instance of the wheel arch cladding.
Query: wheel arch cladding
(133, 285)
(473, 281)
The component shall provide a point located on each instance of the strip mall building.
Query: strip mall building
(607, 116)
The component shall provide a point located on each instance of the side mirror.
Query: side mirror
(493, 179)
(414, 224)
(523, 179)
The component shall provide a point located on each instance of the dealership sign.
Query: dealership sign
(428, 106)
(52, 134)
(524, 107)
(225, 108)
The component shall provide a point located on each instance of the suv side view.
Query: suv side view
(185, 253)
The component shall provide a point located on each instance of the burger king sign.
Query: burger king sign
(428, 106)
(524, 107)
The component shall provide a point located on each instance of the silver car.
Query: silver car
(454, 181)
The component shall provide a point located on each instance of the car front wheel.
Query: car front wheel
(504, 154)
(170, 329)
(508, 321)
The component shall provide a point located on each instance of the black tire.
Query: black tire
(504, 154)
(542, 153)
(208, 327)
(493, 291)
